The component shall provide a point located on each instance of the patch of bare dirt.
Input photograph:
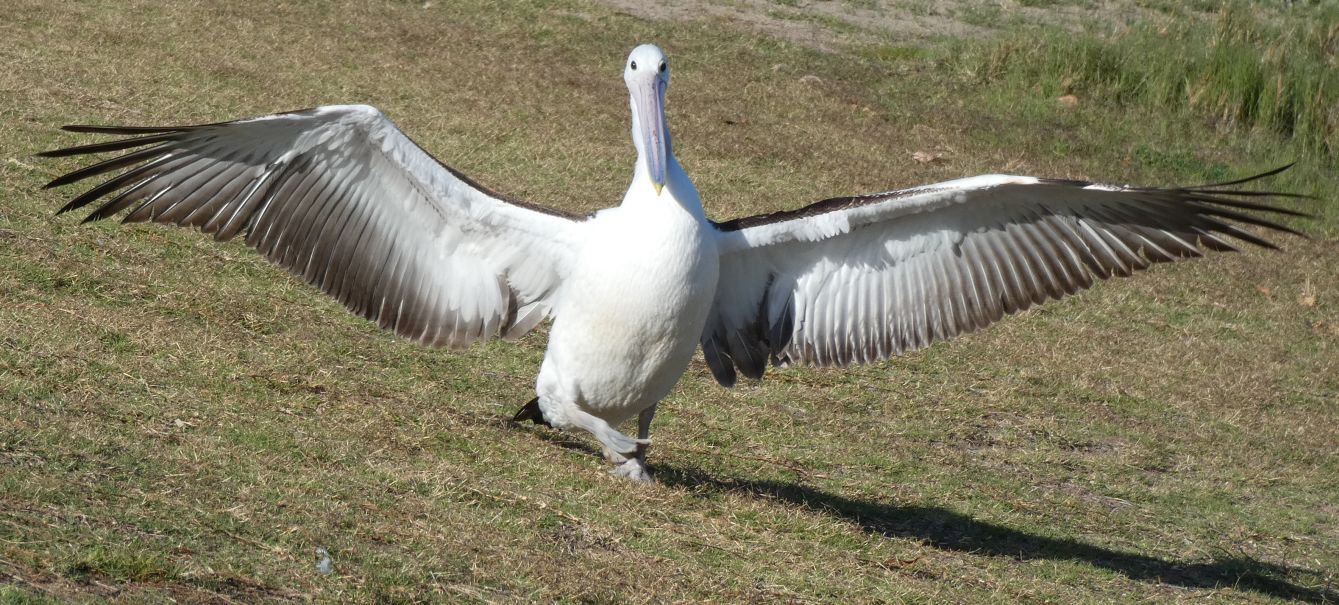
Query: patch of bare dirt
(831, 25)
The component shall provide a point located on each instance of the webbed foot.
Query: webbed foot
(634, 469)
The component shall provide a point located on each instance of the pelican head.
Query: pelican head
(647, 76)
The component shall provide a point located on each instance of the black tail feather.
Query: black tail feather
(531, 412)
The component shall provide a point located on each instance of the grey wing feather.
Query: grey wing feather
(861, 279)
(341, 198)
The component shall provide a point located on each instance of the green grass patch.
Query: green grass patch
(121, 563)
(1240, 69)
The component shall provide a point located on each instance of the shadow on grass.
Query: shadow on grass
(948, 530)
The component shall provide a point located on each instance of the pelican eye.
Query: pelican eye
(634, 66)
(661, 69)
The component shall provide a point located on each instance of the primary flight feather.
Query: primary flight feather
(342, 198)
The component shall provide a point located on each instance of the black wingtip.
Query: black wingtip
(62, 180)
(1248, 179)
(72, 206)
(530, 411)
(121, 129)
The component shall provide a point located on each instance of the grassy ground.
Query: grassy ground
(181, 420)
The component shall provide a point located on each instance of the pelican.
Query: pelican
(342, 198)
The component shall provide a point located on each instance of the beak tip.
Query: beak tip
(658, 187)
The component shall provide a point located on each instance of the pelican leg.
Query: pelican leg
(616, 444)
(635, 468)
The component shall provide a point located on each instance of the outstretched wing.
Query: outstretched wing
(339, 196)
(860, 279)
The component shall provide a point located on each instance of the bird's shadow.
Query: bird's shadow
(948, 530)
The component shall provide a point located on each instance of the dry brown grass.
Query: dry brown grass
(181, 420)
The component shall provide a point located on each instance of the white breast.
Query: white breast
(629, 317)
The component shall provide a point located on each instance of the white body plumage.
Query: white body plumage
(626, 318)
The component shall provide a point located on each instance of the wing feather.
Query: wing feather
(869, 277)
(343, 199)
